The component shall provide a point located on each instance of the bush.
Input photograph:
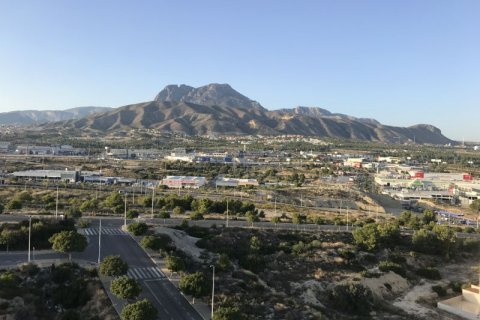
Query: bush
(83, 223)
(132, 214)
(73, 213)
(375, 236)
(386, 266)
(140, 310)
(195, 215)
(441, 291)
(194, 285)
(227, 313)
(137, 228)
(14, 204)
(113, 266)
(155, 242)
(178, 210)
(352, 298)
(125, 288)
(429, 273)
(175, 263)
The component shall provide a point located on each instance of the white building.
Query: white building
(466, 306)
(181, 182)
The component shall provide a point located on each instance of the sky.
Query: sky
(402, 62)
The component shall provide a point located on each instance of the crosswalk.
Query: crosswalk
(105, 231)
(145, 273)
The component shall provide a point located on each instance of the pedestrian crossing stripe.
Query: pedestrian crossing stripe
(105, 231)
(145, 273)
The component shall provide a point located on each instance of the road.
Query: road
(170, 303)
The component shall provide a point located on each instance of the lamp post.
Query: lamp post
(213, 287)
(29, 236)
(153, 199)
(125, 217)
(227, 212)
(99, 241)
(56, 206)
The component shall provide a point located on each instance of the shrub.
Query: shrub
(386, 266)
(429, 273)
(137, 228)
(352, 298)
(441, 291)
(156, 242)
(132, 214)
(195, 215)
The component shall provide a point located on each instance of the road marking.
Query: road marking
(145, 273)
(105, 231)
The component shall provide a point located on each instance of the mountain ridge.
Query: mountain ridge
(28, 117)
(217, 109)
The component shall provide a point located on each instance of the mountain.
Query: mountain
(217, 109)
(214, 94)
(28, 117)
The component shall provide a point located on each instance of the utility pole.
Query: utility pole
(227, 212)
(275, 206)
(153, 199)
(99, 241)
(213, 287)
(29, 236)
(347, 218)
(56, 206)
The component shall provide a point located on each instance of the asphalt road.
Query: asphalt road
(170, 303)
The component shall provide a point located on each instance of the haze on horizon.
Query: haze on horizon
(402, 63)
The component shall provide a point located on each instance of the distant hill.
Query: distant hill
(217, 109)
(28, 117)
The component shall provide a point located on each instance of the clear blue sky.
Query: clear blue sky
(402, 62)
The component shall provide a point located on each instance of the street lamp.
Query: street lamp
(213, 286)
(99, 241)
(29, 236)
(125, 217)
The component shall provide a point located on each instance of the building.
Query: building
(180, 154)
(184, 182)
(466, 306)
(50, 175)
(233, 182)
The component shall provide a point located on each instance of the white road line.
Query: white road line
(135, 271)
(158, 272)
(142, 273)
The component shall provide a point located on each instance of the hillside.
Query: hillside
(27, 117)
(217, 109)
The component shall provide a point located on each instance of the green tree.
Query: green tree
(178, 210)
(125, 288)
(132, 214)
(113, 266)
(14, 204)
(164, 214)
(428, 216)
(251, 217)
(195, 215)
(373, 236)
(175, 263)
(297, 218)
(194, 285)
(137, 228)
(73, 213)
(140, 310)
(68, 242)
(352, 298)
(155, 242)
(255, 244)
(89, 206)
(475, 205)
(113, 200)
(223, 262)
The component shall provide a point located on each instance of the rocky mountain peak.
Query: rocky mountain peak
(214, 94)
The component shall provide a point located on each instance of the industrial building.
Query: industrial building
(184, 182)
(51, 175)
(233, 182)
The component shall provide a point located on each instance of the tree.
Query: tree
(1, 208)
(113, 200)
(223, 262)
(178, 210)
(475, 206)
(140, 310)
(353, 298)
(252, 217)
(68, 242)
(73, 212)
(175, 263)
(195, 215)
(373, 236)
(428, 216)
(14, 204)
(194, 285)
(132, 214)
(89, 206)
(137, 228)
(125, 288)
(113, 266)
(255, 244)
(164, 214)
(297, 218)
(155, 242)
(227, 313)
